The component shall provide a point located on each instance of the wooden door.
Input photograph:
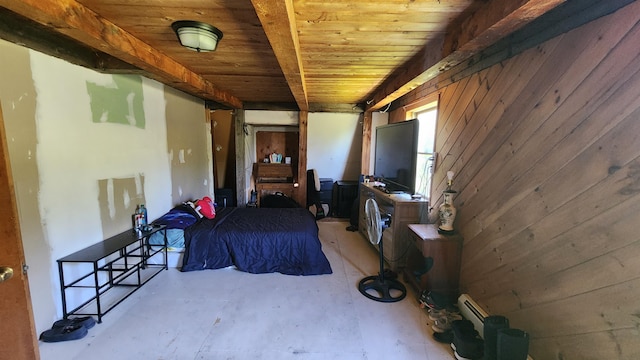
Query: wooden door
(18, 340)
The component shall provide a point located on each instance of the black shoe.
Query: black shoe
(86, 321)
(466, 343)
(462, 329)
(352, 228)
(433, 300)
(443, 337)
(64, 333)
(471, 349)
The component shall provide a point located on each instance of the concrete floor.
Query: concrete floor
(228, 314)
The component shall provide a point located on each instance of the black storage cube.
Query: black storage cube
(344, 194)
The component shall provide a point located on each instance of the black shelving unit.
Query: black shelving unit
(121, 261)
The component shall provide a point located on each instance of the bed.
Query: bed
(255, 240)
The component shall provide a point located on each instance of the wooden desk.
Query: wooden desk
(403, 211)
(434, 264)
(271, 178)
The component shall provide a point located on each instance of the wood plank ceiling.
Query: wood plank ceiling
(303, 54)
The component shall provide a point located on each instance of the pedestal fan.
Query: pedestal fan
(377, 287)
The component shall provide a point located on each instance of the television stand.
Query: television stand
(387, 190)
(404, 211)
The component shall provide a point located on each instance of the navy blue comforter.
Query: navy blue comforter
(257, 240)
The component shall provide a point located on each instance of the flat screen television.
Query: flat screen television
(396, 153)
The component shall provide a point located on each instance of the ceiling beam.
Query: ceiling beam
(464, 38)
(24, 32)
(562, 19)
(278, 22)
(79, 23)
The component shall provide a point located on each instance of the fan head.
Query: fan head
(374, 221)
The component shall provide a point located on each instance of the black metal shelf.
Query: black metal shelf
(119, 257)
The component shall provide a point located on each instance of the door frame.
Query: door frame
(18, 326)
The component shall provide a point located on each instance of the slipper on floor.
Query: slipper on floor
(65, 333)
(86, 321)
(444, 337)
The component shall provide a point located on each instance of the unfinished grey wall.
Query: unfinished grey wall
(189, 145)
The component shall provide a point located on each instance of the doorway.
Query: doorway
(19, 340)
(224, 156)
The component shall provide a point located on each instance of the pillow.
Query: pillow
(206, 207)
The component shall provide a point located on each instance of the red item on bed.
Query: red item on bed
(206, 207)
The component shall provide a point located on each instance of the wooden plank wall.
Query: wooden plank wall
(280, 142)
(546, 151)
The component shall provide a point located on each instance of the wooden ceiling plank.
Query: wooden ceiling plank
(277, 20)
(74, 20)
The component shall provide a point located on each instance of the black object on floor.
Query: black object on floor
(513, 344)
(352, 228)
(434, 300)
(377, 287)
(444, 337)
(492, 324)
(344, 193)
(466, 343)
(86, 321)
(278, 200)
(64, 333)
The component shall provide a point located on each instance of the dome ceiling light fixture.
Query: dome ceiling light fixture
(196, 35)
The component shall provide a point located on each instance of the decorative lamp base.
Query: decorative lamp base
(445, 232)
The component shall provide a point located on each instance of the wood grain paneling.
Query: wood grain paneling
(279, 142)
(546, 151)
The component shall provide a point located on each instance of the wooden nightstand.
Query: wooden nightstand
(434, 263)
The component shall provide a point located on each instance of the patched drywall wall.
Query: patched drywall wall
(75, 154)
(189, 144)
(86, 148)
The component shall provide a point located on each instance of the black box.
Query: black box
(224, 198)
(344, 194)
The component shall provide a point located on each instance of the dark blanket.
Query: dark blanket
(257, 240)
(179, 217)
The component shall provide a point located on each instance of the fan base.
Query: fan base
(383, 288)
